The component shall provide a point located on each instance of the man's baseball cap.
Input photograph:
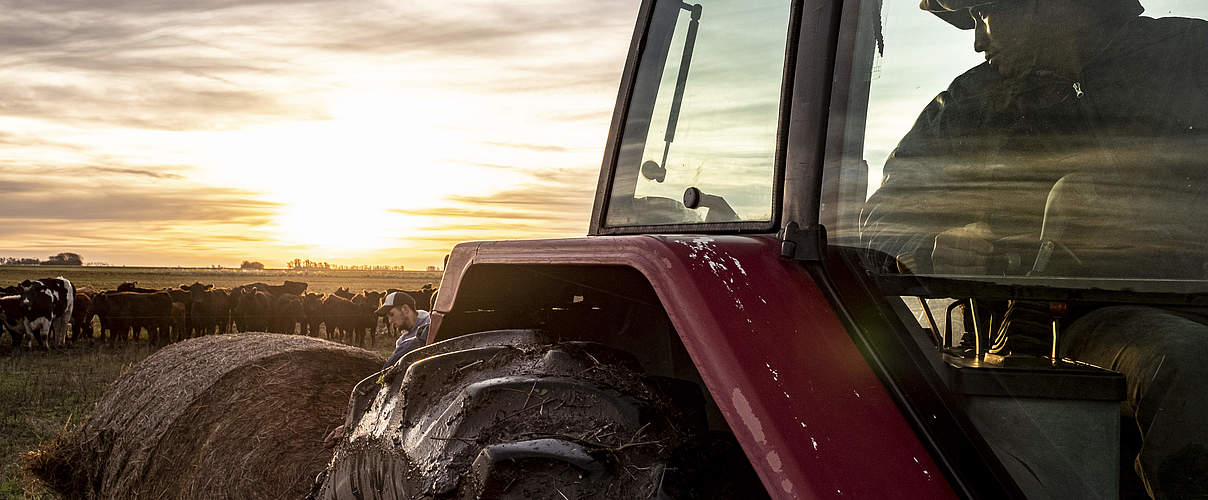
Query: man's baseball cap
(956, 12)
(395, 299)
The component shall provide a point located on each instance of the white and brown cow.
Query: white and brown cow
(47, 305)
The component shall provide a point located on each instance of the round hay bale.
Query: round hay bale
(224, 416)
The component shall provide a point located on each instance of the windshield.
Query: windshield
(1032, 152)
(699, 143)
(1025, 183)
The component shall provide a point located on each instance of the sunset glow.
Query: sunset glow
(351, 132)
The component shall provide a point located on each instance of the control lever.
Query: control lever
(719, 209)
(1067, 202)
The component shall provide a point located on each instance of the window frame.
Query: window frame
(609, 166)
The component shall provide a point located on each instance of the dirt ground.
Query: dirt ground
(45, 393)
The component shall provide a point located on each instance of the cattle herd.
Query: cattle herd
(39, 311)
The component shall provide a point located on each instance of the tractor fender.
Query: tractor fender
(810, 414)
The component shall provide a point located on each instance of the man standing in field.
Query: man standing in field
(402, 316)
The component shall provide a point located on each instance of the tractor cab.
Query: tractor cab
(1058, 197)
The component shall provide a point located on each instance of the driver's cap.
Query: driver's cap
(395, 299)
(955, 12)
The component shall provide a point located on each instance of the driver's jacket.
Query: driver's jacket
(988, 149)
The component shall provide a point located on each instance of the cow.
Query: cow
(13, 318)
(81, 315)
(180, 323)
(125, 312)
(252, 309)
(287, 313)
(132, 286)
(364, 322)
(47, 305)
(340, 317)
(312, 310)
(343, 293)
(209, 309)
(289, 287)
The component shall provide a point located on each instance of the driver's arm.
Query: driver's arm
(928, 216)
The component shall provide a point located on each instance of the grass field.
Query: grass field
(108, 278)
(41, 394)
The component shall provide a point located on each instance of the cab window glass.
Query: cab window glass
(1026, 181)
(699, 143)
(1014, 157)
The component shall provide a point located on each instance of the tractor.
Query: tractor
(724, 330)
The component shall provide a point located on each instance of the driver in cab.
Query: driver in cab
(1086, 127)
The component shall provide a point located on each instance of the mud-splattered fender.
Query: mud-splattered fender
(810, 413)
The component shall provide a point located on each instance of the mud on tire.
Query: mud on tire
(508, 414)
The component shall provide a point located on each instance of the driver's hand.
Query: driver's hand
(963, 250)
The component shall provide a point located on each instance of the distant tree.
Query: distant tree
(248, 265)
(64, 259)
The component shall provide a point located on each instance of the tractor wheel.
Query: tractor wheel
(508, 414)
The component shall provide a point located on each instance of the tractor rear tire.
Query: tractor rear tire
(509, 414)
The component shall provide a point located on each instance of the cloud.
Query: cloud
(531, 147)
(51, 200)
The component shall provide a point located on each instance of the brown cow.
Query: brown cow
(81, 315)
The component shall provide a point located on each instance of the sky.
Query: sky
(160, 132)
(213, 131)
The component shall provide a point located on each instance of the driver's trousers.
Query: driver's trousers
(1163, 356)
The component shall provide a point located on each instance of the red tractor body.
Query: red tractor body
(810, 414)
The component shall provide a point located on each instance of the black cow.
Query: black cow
(287, 312)
(125, 312)
(209, 309)
(364, 322)
(13, 318)
(312, 309)
(340, 317)
(252, 310)
(289, 287)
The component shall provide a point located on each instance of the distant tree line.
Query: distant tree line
(61, 259)
(312, 265)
